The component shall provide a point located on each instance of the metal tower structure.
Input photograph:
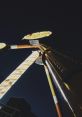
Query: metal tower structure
(42, 56)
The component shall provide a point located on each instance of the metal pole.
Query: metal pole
(23, 46)
(53, 92)
(58, 85)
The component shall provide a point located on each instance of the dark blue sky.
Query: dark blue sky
(65, 21)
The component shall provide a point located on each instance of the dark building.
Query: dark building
(16, 107)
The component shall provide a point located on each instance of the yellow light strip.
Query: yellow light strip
(38, 35)
(50, 84)
(67, 86)
(16, 74)
(53, 92)
(2, 45)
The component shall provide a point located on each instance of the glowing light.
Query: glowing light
(38, 35)
(59, 87)
(16, 74)
(2, 45)
(67, 86)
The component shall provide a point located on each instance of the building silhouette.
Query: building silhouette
(16, 107)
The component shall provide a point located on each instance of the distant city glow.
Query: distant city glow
(38, 35)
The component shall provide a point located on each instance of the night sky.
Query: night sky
(19, 19)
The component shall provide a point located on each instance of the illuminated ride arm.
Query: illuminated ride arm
(16, 74)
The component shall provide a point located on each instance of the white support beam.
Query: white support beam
(16, 74)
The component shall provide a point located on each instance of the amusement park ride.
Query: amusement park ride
(41, 55)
